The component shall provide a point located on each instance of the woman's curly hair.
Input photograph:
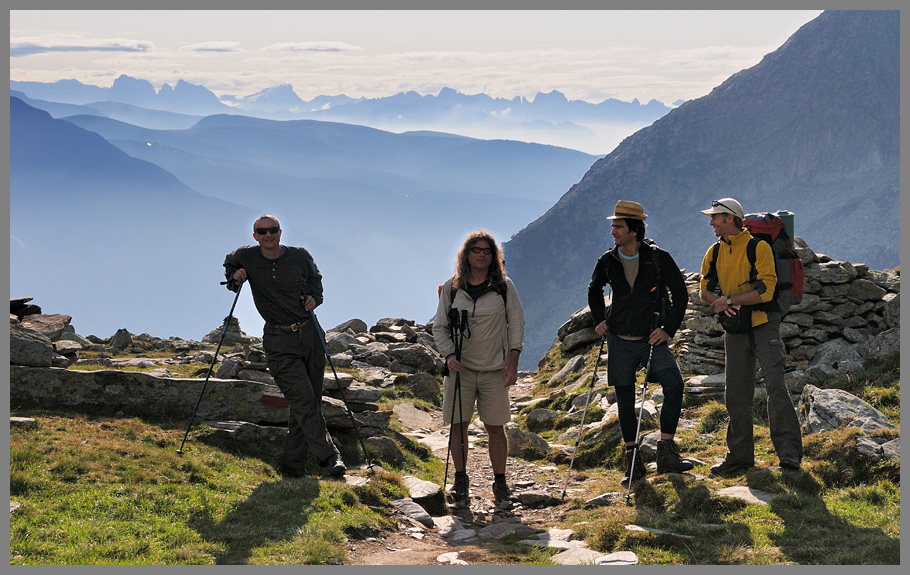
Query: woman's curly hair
(497, 272)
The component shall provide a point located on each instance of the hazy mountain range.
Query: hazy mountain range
(135, 222)
(813, 128)
(548, 118)
(123, 203)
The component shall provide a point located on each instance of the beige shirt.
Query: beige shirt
(494, 330)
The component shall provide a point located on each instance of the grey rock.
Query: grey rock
(824, 409)
(355, 325)
(51, 326)
(420, 357)
(571, 367)
(122, 339)
(386, 449)
(414, 511)
(579, 339)
(866, 290)
(519, 440)
(836, 356)
(30, 348)
(881, 346)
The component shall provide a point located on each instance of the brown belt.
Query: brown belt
(293, 326)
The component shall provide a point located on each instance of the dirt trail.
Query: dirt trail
(415, 544)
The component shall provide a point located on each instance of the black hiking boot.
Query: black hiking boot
(668, 459)
(729, 467)
(460, 488)
(636, 473)
(502, 493)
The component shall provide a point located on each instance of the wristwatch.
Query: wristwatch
(729, 301)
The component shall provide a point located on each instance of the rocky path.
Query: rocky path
(466, 535)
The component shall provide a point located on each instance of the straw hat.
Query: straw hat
(628, 210)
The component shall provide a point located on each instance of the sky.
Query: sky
(587, 55)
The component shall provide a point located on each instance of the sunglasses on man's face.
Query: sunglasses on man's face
(263, 231)
(477, 250)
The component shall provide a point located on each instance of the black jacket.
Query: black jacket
(632, 310)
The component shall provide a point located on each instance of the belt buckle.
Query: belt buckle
(295, 326)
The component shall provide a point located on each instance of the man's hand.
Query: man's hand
(720, 305)
(658, 336)
(309, 302)
(510, 376)
(454, 365)
(601, 328)
(239, 276)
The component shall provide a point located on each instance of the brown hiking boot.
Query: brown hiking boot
(668, 458)
(636, 473)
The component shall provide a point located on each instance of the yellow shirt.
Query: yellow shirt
(733, 270)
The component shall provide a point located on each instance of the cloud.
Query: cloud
(312, 47)
(213, 47)
(19, 47)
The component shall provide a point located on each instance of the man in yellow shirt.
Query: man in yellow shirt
(740, 293)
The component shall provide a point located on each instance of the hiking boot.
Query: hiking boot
(668, 459)
(789, 461)
(460, 488)
(729, 467)
(501, 491)
(334, 466)
(636, 473)
(292, 472)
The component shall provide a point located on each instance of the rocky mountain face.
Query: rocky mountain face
(813, 129)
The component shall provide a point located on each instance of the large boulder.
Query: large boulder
(835, 356)
(28, 347)
(824, 409)
(50, 325)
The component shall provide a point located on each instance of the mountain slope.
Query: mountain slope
(813, 128)
(118, 242)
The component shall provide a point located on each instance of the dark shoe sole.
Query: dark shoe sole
(731, 470)
(684, 469)
(790, 464)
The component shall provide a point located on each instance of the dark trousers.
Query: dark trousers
(297, 364)
(739, 393)
(625, 357)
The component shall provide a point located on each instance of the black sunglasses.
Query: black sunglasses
(263, 231)
(715, 203)
(477, 250)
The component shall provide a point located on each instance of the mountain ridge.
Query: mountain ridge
(812, 128)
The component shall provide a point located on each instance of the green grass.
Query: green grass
(842, 509)
(98, 490)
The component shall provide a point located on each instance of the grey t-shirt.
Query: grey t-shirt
(277, 284)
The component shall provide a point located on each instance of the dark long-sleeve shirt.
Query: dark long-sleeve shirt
(277, 284)
(632, 310)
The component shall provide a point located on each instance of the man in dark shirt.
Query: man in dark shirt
(638, 325)
(286, 286)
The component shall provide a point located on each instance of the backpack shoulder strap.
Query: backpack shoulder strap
(711, 276)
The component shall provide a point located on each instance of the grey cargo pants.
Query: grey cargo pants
(297, 363)
(740, 391)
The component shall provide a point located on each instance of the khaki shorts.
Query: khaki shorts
(483, 388)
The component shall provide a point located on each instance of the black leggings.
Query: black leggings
(672, 383)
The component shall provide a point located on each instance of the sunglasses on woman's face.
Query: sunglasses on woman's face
(486, 251)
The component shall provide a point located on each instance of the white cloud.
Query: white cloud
(312, 47)
(213, 47)
(27, 46)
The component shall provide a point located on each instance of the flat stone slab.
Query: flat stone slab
(411, 417)
(656, 531)
(414, 511)
(451, 558)
(618, 558)
(747, 494)
(446, 525)
(606, 499)
(420, 488)
(355, 480)
(577, 556)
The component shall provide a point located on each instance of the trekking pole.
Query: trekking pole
(344, 400)
(211, 367)
(458, 329)
(583, 415)
(641, 409)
